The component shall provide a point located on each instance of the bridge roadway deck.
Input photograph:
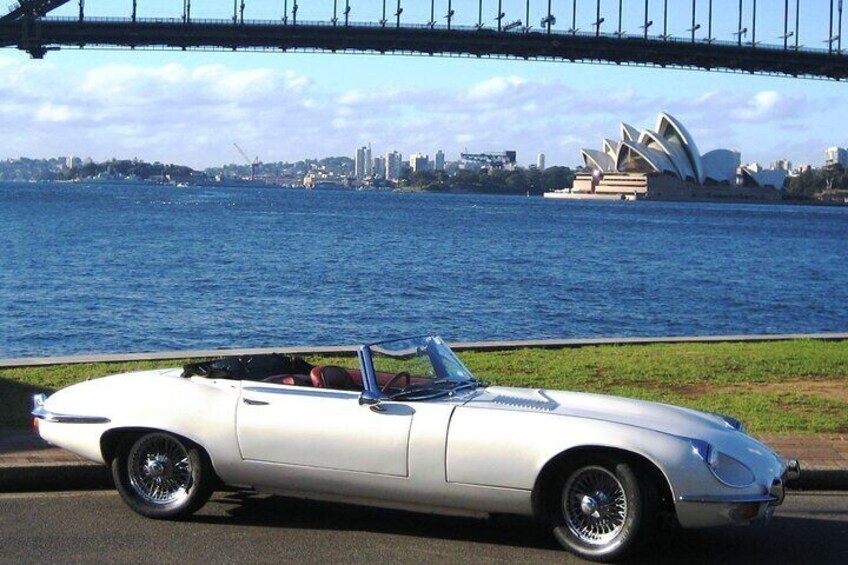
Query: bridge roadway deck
(38, 36)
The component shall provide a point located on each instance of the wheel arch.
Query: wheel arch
(547, 478)
(111, 440)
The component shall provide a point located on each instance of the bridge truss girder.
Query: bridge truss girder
(37, 36)
(32, 9)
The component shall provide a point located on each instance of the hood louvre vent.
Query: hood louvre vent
(547, 404)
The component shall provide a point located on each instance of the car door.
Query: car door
(322, 428)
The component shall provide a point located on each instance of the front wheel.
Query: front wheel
(602, 510)
(161, 476)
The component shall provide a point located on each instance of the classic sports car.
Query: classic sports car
(411, 427)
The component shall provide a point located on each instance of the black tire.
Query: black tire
(160, 475)
(600, 509)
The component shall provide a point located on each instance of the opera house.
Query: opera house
(665, 164)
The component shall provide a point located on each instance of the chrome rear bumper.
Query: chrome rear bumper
(39, 412)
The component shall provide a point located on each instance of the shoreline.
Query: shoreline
(560, 194)
(480, 346)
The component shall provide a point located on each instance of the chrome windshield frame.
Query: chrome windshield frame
(366, 366)
(435, 359)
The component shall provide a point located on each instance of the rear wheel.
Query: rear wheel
(162, 476)
(601, 510)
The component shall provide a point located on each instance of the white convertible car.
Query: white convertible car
(411, 427)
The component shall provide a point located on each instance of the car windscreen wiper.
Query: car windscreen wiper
(433, 390)
(420, 393)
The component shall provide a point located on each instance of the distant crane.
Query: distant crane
(253, 164)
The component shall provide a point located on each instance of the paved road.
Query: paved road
(86, 527)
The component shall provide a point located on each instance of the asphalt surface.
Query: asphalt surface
(95, 526)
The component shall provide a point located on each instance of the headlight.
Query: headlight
(725, 468)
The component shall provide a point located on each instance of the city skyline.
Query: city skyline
(190, 107)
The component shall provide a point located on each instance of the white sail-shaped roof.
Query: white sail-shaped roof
(636, 157)
(670, 149)
(770, 177)
(629, 133)
(720, 165)
(611, 147)
(598, 160)
(674, 150)
(669, 128)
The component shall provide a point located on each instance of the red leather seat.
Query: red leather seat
(291, 380)
(331, 376)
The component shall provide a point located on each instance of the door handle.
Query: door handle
(377, 408)
(251, 402)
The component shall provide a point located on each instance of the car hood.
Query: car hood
(651, 415)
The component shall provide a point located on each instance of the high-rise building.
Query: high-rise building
(369, 164)
(439, 163)
(419, 162)
(379, 164)
(836, 156)
(394, 165)
(359, 167)
(540, 161)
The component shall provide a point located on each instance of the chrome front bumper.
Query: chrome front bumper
(705, 511)
(791, 472)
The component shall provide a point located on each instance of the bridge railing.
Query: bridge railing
(657, 39)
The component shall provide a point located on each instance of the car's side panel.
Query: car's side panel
(510, 448)
(424, 488)
(322, 428)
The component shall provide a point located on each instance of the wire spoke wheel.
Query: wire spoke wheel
(594, 505)
(160, 469)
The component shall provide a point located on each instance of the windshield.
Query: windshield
(421, 366)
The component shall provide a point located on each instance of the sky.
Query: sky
(191, 107)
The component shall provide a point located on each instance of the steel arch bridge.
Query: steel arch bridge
(487, 31)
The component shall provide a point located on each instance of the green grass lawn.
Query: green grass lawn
(798, 387)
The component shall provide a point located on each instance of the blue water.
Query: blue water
(143, 268)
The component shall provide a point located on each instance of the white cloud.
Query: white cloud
(768, 104)
(175, 113)
(49, 112)
(747, 107)
(193, 114)
(495, 87)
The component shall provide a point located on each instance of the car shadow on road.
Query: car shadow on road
(783, 540)
(284, 512)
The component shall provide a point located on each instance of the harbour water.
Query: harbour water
(99, 268)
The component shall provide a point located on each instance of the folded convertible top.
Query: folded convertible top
(248, 367)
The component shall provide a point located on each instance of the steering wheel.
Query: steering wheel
(396, 378)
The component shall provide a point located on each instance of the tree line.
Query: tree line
(517, 181)
(127, 168)
(814, 181)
